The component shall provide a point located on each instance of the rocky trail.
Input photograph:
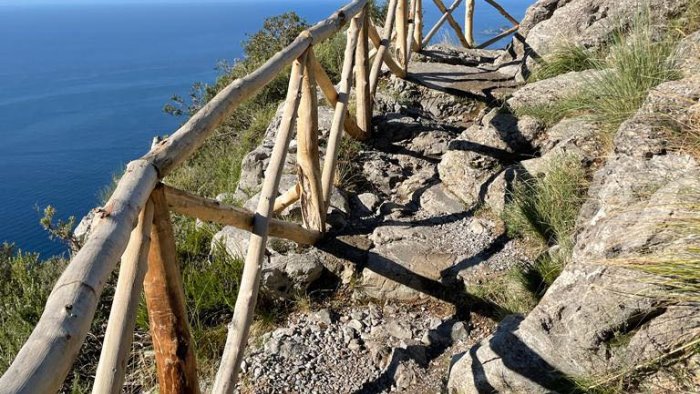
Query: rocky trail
(402, 248)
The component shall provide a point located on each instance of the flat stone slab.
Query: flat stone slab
(464, 81)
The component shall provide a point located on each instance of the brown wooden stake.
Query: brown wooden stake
(335, 134)
(451, 20)
(363, 99)
(167, 315)
(308, 166)
(469, 23)
(122, 318)
(239, 328)
(401, 31)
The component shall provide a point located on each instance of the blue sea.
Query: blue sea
(83, 84)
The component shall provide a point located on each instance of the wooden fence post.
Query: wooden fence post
(364, 100)
(335, 134)
(239, 328)
(411, 33)
(122, 317)
(401, 30)
(469, 23)
(165, 299)
(418, 31)
(308, 165)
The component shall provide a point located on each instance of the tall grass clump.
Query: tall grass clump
(566, 58)
(637, 59)
(543, 211)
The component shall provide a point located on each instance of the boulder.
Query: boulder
(687, 58)
(283, 276)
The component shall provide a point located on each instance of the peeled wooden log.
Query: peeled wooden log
(308, 165)
(394, 67)
(209, 210)
(418, 32)
(122, 317)
(173, 346)
(178, 147)
(381, 45)
(362, 94)
(451, 20)
(335, 134)
(401, 31)
(411, 32)
(469, 23)
(287, 198)
(239, 328)
(331, 95)
(46, 357)
(498, 37)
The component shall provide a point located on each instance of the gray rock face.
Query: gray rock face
(575, 329)
(286, 275)
(553, 89)
(687, 55)
(590, 23)
(476, 157)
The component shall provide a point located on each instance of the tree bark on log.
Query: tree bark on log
(165, 299)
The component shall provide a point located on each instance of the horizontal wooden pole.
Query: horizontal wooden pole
(178, 147)
(287, 198)
(46, 357)
(209, 210)
(498, 37)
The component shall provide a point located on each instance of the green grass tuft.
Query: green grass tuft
(564, 59)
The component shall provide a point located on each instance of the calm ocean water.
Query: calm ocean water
(82, 86)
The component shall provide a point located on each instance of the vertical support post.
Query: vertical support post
(165, 299)
(239, 328)
(122, 317)
(418, 32)
(469, 23)
(308, 165)
(341, 105)
(364, 100)
(411, 32)
(401, 30)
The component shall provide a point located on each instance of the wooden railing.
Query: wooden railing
(135, 224)
(466, 38)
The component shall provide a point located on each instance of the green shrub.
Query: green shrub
(26, 284)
